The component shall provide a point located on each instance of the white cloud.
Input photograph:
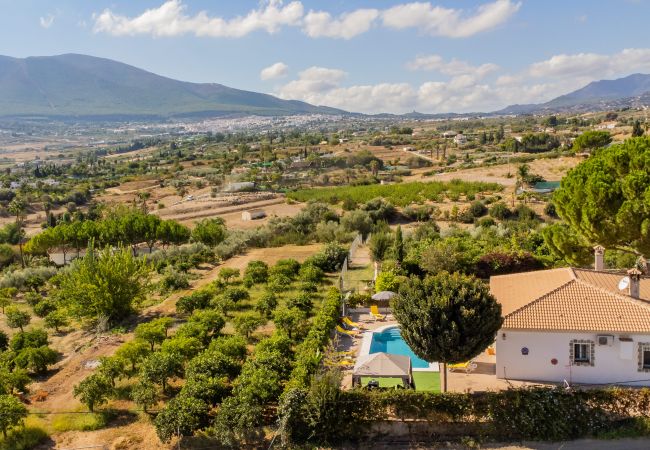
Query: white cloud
(467, 88)
(47, 21)
(453, 67)
(170, 20)
(277, 70)
(455, 23)
(593, 65)
(348, 25)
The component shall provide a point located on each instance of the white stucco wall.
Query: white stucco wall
(610, 365)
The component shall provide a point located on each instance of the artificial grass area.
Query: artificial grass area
(383, 382)
(424, 381)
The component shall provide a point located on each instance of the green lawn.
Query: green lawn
(424, 381)
(427, 381)
(358, 277)
(383, 382)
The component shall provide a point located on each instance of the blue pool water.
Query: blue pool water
(390, 341)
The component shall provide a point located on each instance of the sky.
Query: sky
(359, 55)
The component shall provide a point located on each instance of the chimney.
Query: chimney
(635, 282)
(599, 258)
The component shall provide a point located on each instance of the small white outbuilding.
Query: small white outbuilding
(253, 214)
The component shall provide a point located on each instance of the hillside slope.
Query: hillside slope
(84, 86)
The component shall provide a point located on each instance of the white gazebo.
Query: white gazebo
(383, 365)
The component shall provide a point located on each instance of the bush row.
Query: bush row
(309, 352)
(524, 413)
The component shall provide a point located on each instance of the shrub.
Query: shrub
(44, 308)
(13, 413)
(182, 415)
(247, 323)
(330, 259)
(278, 283)
(388, 281)
(287, 267)
(266, 304)
(93, 390)
(500, 263)
(173, 280)
(256, 272)
(310, 273)
(477, 209)
(196, 300)
(236, 294)
(302, 301)
(500, 211)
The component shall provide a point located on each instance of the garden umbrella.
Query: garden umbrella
(384, 295)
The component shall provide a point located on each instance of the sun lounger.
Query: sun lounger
(467, 367)
(342, 364)
(343, 331)
(374, 312)
(350, 323)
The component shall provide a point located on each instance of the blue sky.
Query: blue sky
(369, 56)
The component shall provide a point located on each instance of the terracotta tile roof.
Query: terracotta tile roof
(516, 290)
(585, 301)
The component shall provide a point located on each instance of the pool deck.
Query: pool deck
(483, 378)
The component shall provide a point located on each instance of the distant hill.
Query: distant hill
(632, 90)
(79, 86)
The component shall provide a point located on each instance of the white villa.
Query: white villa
(574, 325)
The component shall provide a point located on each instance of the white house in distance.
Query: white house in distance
(460, 139)
(574, 325)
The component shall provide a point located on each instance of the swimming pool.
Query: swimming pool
(390, 341)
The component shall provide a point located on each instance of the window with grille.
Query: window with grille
(582, 352)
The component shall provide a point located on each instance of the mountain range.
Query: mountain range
(75, 86)
(69, 86)
(630, 91)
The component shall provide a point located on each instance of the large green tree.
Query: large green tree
(209, 231)
(606, 199)
(591, 140)
(104, 284)
(448, 318)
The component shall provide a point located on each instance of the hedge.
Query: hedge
(536, 413)
(309, 352)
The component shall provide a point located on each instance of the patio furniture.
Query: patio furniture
(374, 312)
(350, 323)
(467, 367)
(348, 333)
